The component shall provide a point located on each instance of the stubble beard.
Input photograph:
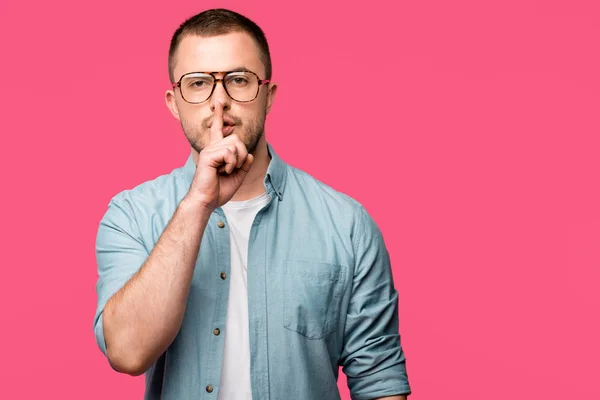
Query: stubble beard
(249, 133)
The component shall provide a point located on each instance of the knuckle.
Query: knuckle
(227, 151)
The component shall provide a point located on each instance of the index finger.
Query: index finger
(216, 129)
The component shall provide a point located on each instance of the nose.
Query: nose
(221, 96)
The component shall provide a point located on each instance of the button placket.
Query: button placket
(223, 257)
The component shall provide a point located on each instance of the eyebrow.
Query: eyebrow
(237, 69)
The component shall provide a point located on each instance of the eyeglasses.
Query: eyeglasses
(241, 86)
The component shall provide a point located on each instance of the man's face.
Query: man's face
(220, 53)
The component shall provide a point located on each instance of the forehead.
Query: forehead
(217, 53)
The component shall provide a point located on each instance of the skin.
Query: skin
(144, 317)
(202, 122)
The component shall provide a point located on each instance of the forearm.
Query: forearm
(143, 318)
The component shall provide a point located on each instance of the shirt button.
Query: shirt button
(217, 331)
(221, 224)
(223, 275)
(209, 388)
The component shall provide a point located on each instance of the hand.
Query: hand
(222, 166)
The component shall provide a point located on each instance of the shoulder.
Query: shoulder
(149, 196)
(318, 206)
(302, 186)
(301, 181)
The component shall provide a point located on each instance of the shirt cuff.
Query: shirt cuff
(99, 331)
(391, 381)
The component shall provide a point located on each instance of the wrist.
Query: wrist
(196, 206)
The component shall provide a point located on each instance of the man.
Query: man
(238, 276)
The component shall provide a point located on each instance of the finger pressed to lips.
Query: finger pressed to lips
(232, 142)
(216, 129)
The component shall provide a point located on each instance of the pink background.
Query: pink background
(469, 130)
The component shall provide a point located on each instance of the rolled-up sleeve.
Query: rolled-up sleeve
(372, 357)
(120, 253)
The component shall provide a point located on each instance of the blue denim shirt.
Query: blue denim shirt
(320, 291)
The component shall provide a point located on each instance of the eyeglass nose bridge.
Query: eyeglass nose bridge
(214, 86)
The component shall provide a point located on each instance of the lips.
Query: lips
(228, 126)
(228, 122)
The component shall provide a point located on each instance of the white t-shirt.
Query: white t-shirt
(235, 373)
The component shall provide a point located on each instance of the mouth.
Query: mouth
(228, 126)
(228, 122)
(227, 129)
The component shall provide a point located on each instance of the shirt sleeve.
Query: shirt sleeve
(372, 357)
(120, 253)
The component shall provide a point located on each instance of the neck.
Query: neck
(253, 185)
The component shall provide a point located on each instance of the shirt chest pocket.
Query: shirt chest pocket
(311, 298)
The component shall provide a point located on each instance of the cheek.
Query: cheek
(257, 111)
(192, 116)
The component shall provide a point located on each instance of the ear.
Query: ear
(271, 95)
(171, 102)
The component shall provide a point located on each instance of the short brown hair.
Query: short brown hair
(220, 21)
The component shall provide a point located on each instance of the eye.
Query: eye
(197, 84)
(237, 80)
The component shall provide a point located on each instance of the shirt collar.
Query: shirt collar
(274, 180)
